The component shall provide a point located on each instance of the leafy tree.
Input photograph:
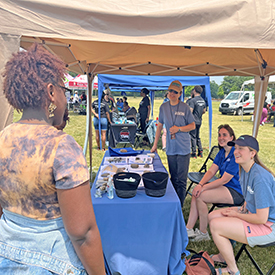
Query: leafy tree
(187, 91)
(233, 81)
(214, 89)
(234, 88)
(220, 92)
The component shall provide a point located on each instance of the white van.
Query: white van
(239, 102)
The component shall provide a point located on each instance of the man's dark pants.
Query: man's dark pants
(195, 139)
(178, 168)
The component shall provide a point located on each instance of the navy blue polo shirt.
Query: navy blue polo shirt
(228, 165)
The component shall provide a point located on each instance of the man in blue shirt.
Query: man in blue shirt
(178, 120)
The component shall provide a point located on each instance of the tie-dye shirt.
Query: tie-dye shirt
(35, 160)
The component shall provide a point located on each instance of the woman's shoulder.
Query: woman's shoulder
(261, 173)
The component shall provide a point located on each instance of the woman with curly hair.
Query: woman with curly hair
(48, 224)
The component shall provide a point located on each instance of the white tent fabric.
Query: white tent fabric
(176, 37)
(252, 81)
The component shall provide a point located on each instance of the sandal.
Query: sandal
(227, 272)
(218, 263)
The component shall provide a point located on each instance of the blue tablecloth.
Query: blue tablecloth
(142, 235)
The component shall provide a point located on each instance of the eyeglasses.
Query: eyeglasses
(65, 88)
(173, 91)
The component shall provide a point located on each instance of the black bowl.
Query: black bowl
(155, 183)
(125, 188)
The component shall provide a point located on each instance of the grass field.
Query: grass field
(77, 128)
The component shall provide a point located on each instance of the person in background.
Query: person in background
(144, 109)
(253, 223)
(76, 97)
(179, 121)
(83, 97)
(124, 98)
(126, 107)
(271, 112)
(164, 132)
(264, 115)
(198, 108)
(225, 189)
(43, 177)
(120, 104)
(110, 103)
(104, 119)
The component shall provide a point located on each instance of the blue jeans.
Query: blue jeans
(30, 247)
(178, 168)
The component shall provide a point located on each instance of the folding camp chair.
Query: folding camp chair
(140, 136)
(243, 248)
(131, 114)
(195, 177)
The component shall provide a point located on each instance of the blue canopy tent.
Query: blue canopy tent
(152, 83)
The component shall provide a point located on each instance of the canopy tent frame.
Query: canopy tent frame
(147, 38)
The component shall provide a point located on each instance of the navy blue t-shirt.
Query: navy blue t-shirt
(228, 165)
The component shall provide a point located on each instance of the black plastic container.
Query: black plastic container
(155, 183)
(124, 188)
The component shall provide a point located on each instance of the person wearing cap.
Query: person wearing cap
(253, 223)
(198, 108)
(76, 97)
(144, 109)
(179, 121)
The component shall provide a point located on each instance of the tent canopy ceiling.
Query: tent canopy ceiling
(145, 37)
(197, 38)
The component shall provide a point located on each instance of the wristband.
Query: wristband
(201, 185)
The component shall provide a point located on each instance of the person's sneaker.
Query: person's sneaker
(200, 154)
(193, 156)
(193, 233)
(201, 237)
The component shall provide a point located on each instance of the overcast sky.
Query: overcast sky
(217, 79)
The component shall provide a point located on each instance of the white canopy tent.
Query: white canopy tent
(177, 37)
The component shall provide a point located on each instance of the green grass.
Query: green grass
(77, 128)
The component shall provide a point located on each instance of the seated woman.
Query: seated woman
(226, 189)
(126, 107)
(253, 223)
(104, 118)
(48, 224)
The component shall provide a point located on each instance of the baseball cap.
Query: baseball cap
(245, 140)
(176, 86)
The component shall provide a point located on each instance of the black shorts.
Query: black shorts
(237, 197)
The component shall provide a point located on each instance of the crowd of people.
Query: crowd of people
(44, 174)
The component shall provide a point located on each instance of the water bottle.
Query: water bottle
(110, 188)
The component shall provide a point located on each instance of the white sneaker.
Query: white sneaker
(192, 233)
(201, 237)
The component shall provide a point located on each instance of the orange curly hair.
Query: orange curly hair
(27, 75)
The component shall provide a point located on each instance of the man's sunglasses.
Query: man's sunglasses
(173, 91)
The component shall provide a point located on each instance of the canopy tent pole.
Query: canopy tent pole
(89, 135)
(260, 91)
(8, 45)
